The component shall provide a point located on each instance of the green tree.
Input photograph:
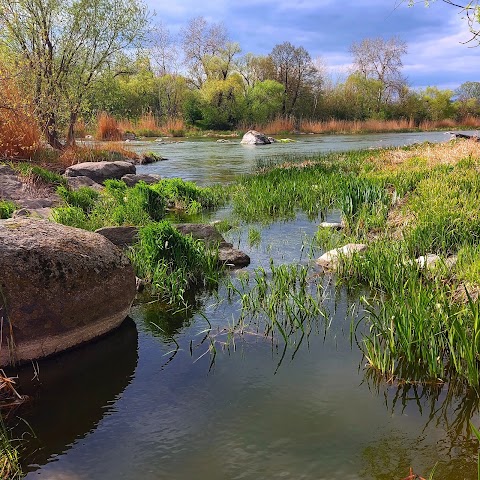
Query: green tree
(294, 69)
(264, 101)
(438, 103)
(64, 46)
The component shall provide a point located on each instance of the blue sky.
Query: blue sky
(327, 28)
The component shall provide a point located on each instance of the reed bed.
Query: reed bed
(149, 126)
(356, 126)
(19, 131)
(423, 323)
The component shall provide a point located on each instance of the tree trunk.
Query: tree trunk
(71, 129)
(51, 133)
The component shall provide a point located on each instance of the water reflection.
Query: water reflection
(75, 391)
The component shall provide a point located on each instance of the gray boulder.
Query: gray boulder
(81, 181)
(132, 179)
(120, 236)
(200, 231)
(252, 137)
(101, 171)
(60, 287)
(227, 255)
(231, 257)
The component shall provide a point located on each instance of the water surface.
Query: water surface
(170, 396)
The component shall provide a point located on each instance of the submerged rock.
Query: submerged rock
(101, 171)
(252, 137)
(331, 259)
(60, 287)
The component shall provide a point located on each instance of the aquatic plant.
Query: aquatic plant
(9, 457)
(173, 262)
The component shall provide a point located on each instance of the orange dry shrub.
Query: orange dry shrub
(19, 131)
(108, 128)
(96, 152)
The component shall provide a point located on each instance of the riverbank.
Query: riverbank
(403, 203)
(109, 128)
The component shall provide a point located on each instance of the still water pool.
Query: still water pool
(170, 395)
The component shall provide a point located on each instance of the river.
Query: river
(161, 399)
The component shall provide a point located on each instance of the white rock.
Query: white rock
(330, 259)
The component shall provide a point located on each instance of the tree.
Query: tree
(468, 98)
(470, 11)
(264, 101)
(438, 103)
(64, 45)
(381, 60)
(201, 42)
(294, 70)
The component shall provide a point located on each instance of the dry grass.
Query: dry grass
(95, 152)
(355, 126)
(448, 153)
(108, 128)
(19, 131)
(275, 127)
(148, 126)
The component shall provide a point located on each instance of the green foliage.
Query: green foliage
(38, 174)
(264, 101)
(6, 209)
(84, 198)
(10, 467)
(173, 262)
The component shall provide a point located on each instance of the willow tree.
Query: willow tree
(63, 46)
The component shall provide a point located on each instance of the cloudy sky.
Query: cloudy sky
(326, 28)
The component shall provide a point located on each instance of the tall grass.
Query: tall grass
(19, 131)
(149, 126)
(172, 262)
(108, 128)
(9, 458)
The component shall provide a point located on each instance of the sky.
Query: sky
(327, 28)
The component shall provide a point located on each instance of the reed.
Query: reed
(172, 262)
(9, 457)
(108, 128)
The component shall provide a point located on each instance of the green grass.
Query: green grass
(417, 327)
(36, 173)
(9, 458)
(120, 205)
(173, 263)
(6, 209)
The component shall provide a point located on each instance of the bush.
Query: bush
(6, 209)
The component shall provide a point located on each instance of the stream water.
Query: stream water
(161, 399)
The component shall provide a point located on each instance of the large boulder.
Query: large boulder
(101, 171)
(60, 287)
(252, 137)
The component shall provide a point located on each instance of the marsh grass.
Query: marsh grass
(283, 303)
(404, 202)
(6, 209)
(9, 457)
(120, 205)
(173, 263)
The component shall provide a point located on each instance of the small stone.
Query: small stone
(332, 225)
(331, 259)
